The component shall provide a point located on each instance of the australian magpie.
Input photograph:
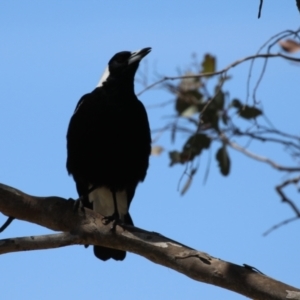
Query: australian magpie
(109, 143)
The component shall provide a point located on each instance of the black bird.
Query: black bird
(109, 143)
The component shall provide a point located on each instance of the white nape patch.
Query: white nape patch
(103, 202)
(103, 77)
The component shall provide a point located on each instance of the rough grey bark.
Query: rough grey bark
(86, 227)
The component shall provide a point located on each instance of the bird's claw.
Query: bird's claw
(78, 204)
(114, 218)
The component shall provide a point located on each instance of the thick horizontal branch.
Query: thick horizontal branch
(87, 228)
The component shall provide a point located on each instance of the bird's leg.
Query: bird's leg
(6, 224)
(115, 216)
(79, 202)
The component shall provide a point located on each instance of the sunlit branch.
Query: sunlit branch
(87, 228)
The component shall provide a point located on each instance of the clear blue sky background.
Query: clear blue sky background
(52, 52)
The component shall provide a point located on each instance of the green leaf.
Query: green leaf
(249, 112)
(188, 182)
(195, 144)
(191, 110)
(246, 111)
(210, 118)
(211, 112)
(208, 64)
(174, 157)
(219, 99)
(193, 147)
(236, 103)
(223, 160)
(187, 99)
(225, 118)
(181, 105)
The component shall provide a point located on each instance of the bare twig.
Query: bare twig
(279, 190)
(234, 64)
(258, 136)
(252, 62)
(272, 42)
(284, 198)
(287, 221)
(260, 8)
(260, 158)
(276, 131)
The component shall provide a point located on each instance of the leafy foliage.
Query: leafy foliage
(208, 113)
(208, 64)
(193, 147)
(246, 111)
(223, 160)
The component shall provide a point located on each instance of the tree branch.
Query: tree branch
(259, 158)
(232, 65)
(87, 228)
(284, 198)
(260, 8)
(41, 242)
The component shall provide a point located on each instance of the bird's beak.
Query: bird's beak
(138, 55)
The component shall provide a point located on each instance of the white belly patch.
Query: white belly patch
(103, 202)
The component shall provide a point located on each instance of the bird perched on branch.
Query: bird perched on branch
(109, 143)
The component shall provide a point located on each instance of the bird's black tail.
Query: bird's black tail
(105, 253)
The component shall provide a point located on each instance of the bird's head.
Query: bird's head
(123, 65)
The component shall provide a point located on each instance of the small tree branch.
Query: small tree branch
(49, 241)
(260, 8)
(87, 228)
(285, 222)
(260, 158)
(258, 135)
(284, 198)
(232, 65)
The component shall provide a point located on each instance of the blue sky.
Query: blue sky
(52, 52)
